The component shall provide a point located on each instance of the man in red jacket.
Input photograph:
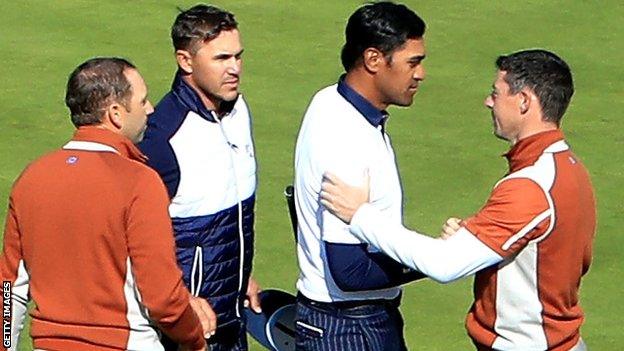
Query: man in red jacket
(88, 237)
(531, 243)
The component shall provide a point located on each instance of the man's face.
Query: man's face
(398, 80)
(137, 109)
(505, 108)
(217, 67)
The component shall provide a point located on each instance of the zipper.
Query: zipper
(198, 261)
(234, 149)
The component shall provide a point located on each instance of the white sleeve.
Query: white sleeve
(443, 260)
(19, 304)
(349, 166)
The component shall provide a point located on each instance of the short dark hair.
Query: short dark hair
(545, 73)
(94, 85)
(384, 26)
(200, 23)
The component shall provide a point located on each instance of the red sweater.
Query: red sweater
(89, 239)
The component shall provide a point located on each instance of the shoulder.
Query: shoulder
(167, 116)
(241, 108)
(517, 189)
(40, 167)
(329, 108)
(137, 175)
(162, 124)
(327, 98)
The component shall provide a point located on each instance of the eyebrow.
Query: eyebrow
(225, 55)
(417, 58)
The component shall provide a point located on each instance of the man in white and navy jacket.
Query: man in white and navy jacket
(199, 140)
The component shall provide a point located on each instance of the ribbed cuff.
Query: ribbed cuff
(186, 330)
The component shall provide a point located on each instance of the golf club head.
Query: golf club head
(274, 327)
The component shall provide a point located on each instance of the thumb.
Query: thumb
(254, 302)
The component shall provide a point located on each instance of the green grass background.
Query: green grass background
(448, 157)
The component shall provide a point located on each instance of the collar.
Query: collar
(121, 144)
(189, 97)
(370, 112)
(528, 150)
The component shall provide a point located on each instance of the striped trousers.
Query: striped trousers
(372, 327)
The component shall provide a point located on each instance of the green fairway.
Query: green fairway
(448, 157)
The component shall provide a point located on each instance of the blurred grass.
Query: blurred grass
(445, 149)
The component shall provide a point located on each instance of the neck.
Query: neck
(362, 82)
(211, 103)
(543, 127)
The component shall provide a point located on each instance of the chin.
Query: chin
(405, 102)
(230, 96)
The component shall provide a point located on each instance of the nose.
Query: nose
(488, 102)
(149, 109)
(420, 72)
(235, 65)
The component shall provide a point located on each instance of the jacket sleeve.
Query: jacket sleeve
(15, 279)
(348, 263)
(443, 260)
(152, 260)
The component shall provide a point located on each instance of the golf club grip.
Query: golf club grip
(289, 193)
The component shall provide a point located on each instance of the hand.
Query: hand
(253, 299)
(206, 315)
(451, 227)
(341, 199)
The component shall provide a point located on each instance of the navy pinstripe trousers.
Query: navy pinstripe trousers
(374, 327)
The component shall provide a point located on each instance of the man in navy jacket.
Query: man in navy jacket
(199, 140)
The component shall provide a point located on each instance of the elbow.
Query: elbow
(444, 277)
(344, 280)
(348, 285)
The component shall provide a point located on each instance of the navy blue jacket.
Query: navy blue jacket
(208, 166)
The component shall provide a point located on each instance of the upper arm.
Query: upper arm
(517, 212)
(12, 245)
(151, 250)
(349, 164)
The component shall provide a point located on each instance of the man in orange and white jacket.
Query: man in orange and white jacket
(88, 237)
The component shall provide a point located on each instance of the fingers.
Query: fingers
(454, 223)
(253, 297)
(206, 315)
(450, 227)
(331, 178)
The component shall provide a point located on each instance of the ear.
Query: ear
(114, 113)
(526, 98)
(185, 61)
(373, 59)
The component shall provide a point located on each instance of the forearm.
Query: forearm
(15, 278)
(442, 260)
(153, 265)
(353, 268)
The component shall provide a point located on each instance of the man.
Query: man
(199, 140)
(87, 233)
(349, 296)
(532, 241)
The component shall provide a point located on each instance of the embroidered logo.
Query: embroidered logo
(71, 160)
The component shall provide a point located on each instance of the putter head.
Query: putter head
(274, 327)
